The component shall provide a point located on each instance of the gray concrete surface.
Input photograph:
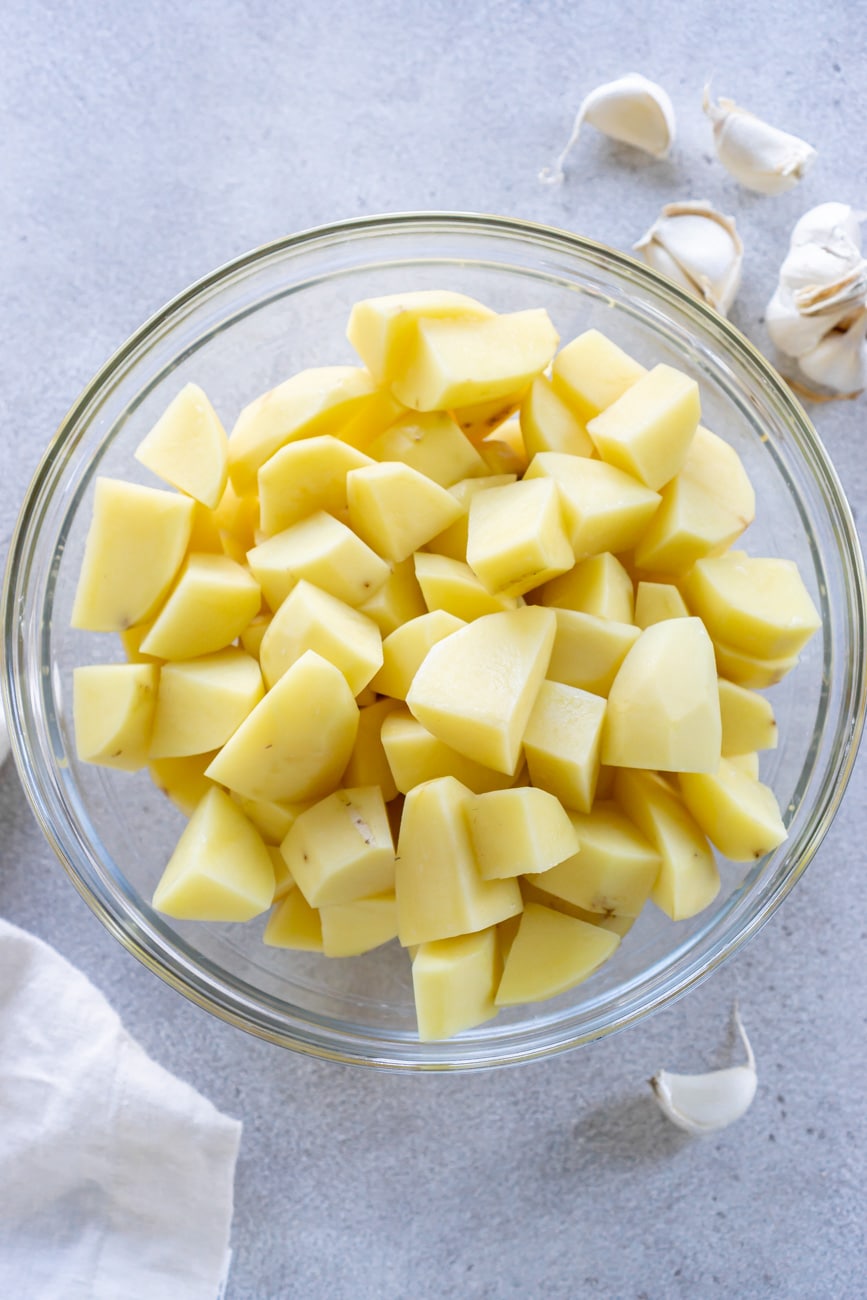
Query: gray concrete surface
(141, 145)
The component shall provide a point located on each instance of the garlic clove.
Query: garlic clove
(839, 360)
(793, 333)
(829, 224)
(702, 246)
(704, 1103)
(632, 110)
(760, 156)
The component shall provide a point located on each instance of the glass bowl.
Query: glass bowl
(244, 329)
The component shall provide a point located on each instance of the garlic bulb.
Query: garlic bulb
(760, 156)
(631, 109)
(699, 249)
(839, 361)
(703, 1103)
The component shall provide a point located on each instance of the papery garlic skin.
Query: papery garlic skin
(698, 248)
(704, 1103)
(631, 109)
(760, 156)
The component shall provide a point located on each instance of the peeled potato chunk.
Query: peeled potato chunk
(548, 424)
(303, 478)
(592, 372)
(452, 541)
(588, 651)
(201, 702)
(751, 671)
(405, 648)
(220, 869)
(326, 553)
(561, 743)
(714, 465)
(614, 869)
(648, 429)
(311, 619)
(397, 600)
(113, 711)
(188, 447)
(599, 585)
(748, 720)
(551, 953)
(415, 756)
(294, 924)
(452, 586)
(663, 705)
(432, 444)
(454, 982)
(340, 849)
(349, 929)
(516, 539)
(657, 601)
(210, 605)
(183, 779)
(689, 525)
(755, 605)
(368, 764)
(382, 330)
(737, 813)
(519, 830)
(604, 509)
(395, 509)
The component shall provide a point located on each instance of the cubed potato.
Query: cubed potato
(371, 419)
(737, 813)
(516, 539)
(748, 720)
(756, 605)
(657, 601)
(131, 639)
(751, 671)
(432, 444)
(663, 705)
(562, 743)
(551, 953)
(714, 465)
(312, 619)
(452, 541)
(503, 451)
(519, 830)
(349, 929)
(368, 762)
(398, 599)
(647, 431)
(689, 525)
(310, 404)
(440, 892)
(135, 545)
(272, 820)
(452, 586)
(746, 763)
(303, 478)
(220, 869)
(254, 633)
(294, 924)
(548, 424)
(454, 982)
(599, 585)
(202, 702)
(592, 372)
(188, 447)
(480, 420)
(415, 756)
(395, 509)
(614, 869)
(113, 711)
(183, 779)
(688, 879)
(237, 518)
(340, 849)
(205, 533)
(297, 741)
(603, 508)
(405, 648)
(211, 603)
(456, 363)
(382, 330)
(476, 689)
(326, 553)
(588, 651)
(283, 881)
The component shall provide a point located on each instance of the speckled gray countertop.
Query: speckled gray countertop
(142, 145)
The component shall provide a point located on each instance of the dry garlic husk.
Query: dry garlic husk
(760, 156)
(704, 1103)
(699, 249)
(631, 109)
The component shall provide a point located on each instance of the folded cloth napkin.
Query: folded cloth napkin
(116, 1178)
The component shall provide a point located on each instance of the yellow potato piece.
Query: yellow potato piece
(201, 702)
(395, 509)
(305, 477)
(516, 539)
(294, 924)
(398, 599)
(663, 705)
(405, 648)
(349, 929)
(454, 982)
(614, 869)
(254, 633)
(519, 830)
(210, 605)
(714, 465)
(648, 429)
(480, 420)
(340, 849)
(432, 444)
(476, 689)
(599, 585)
(312, 619)
(188, 447)
(755, 605)
(657, 601)
(689, 525)
(205, 531)
(550, 954)
(592, 372)
(562, 743)
(297, 741)
(283, 881)
(272, 820)
(548, 424)
(456, 363)
(751, 671)
(220, 869)
(382, 330)
(440, 893)
(603, 508)
(326, 553)
(113, 712)
(134, 548)
(688, 879)
(415, 756)
(183, 779)
(503, 451)
(737, 813)
(452, 541)
(237, 518)
(746, 763)
(452, 586)
(748, 720)
(368, 764)
(131, 640)
(588, 651)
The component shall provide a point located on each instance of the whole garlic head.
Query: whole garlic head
(762, 157)
(698, 248)
(632, 110)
